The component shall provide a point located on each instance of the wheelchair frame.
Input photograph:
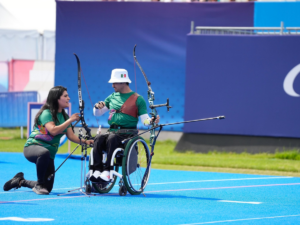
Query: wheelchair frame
(125, 183)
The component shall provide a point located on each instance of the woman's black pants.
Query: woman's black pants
(44, 166)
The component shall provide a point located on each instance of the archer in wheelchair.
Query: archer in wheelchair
(125, 107)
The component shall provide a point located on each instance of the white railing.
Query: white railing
(246, 30)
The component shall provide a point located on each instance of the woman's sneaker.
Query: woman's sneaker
(40, 190)
(15, 182)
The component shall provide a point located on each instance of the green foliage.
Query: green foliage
(292, 155)
(165, 154)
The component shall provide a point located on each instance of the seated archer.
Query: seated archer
(125, 108)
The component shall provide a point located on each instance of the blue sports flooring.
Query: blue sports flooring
(172, 197)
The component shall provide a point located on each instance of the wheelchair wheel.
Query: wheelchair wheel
(106, 187)
(134, 165)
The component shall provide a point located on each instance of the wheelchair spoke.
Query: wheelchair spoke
(141, 177)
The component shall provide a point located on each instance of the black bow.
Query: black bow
(81, 102)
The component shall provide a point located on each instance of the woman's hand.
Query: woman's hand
(88, 142)
(75, 117)
(99, 105)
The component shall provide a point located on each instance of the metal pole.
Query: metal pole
(22, 133)
(192, 27)
(281, 28)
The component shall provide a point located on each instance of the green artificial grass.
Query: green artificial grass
(165, 157)
(164, 154)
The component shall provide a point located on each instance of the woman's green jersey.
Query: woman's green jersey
(41, 136)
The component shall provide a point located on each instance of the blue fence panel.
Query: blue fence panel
(243, 78)
(13, 107)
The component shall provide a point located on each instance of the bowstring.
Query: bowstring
(135, 76)
(89, 95)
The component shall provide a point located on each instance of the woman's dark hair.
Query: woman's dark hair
(52, 104)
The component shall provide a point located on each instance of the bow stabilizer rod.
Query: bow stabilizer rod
(168, 124)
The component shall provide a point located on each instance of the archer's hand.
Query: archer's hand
(99, 105)
(88, 142)
(157, 119)
(74, 117)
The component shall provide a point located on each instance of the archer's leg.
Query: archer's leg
(99, 146)
(97, 167)
(113, 142)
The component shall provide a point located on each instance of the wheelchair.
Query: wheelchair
(134, 160)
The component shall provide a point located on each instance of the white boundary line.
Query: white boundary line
(230, 187)
(160, 191)
(200, 181)
(178, 182)
(20, 219)
(254, 203)
(226, 221)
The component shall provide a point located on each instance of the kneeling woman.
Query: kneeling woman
(50, 124)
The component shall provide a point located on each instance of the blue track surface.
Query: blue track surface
(172, 197)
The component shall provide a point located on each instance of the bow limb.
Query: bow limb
(150, 99)
(135, 59)
(81, 102)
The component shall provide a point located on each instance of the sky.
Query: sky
(29, 14)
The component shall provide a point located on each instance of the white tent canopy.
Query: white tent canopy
(28, 14)
(7, 20)
(27, 44)
(34, 37)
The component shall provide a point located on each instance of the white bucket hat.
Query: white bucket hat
(119, 76)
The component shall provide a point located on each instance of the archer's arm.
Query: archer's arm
(58, 129)
(99, 109)
(142, 111)
(146, 120)
(72, 137)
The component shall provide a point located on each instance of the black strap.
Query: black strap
(114, 126)
(124, 131)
